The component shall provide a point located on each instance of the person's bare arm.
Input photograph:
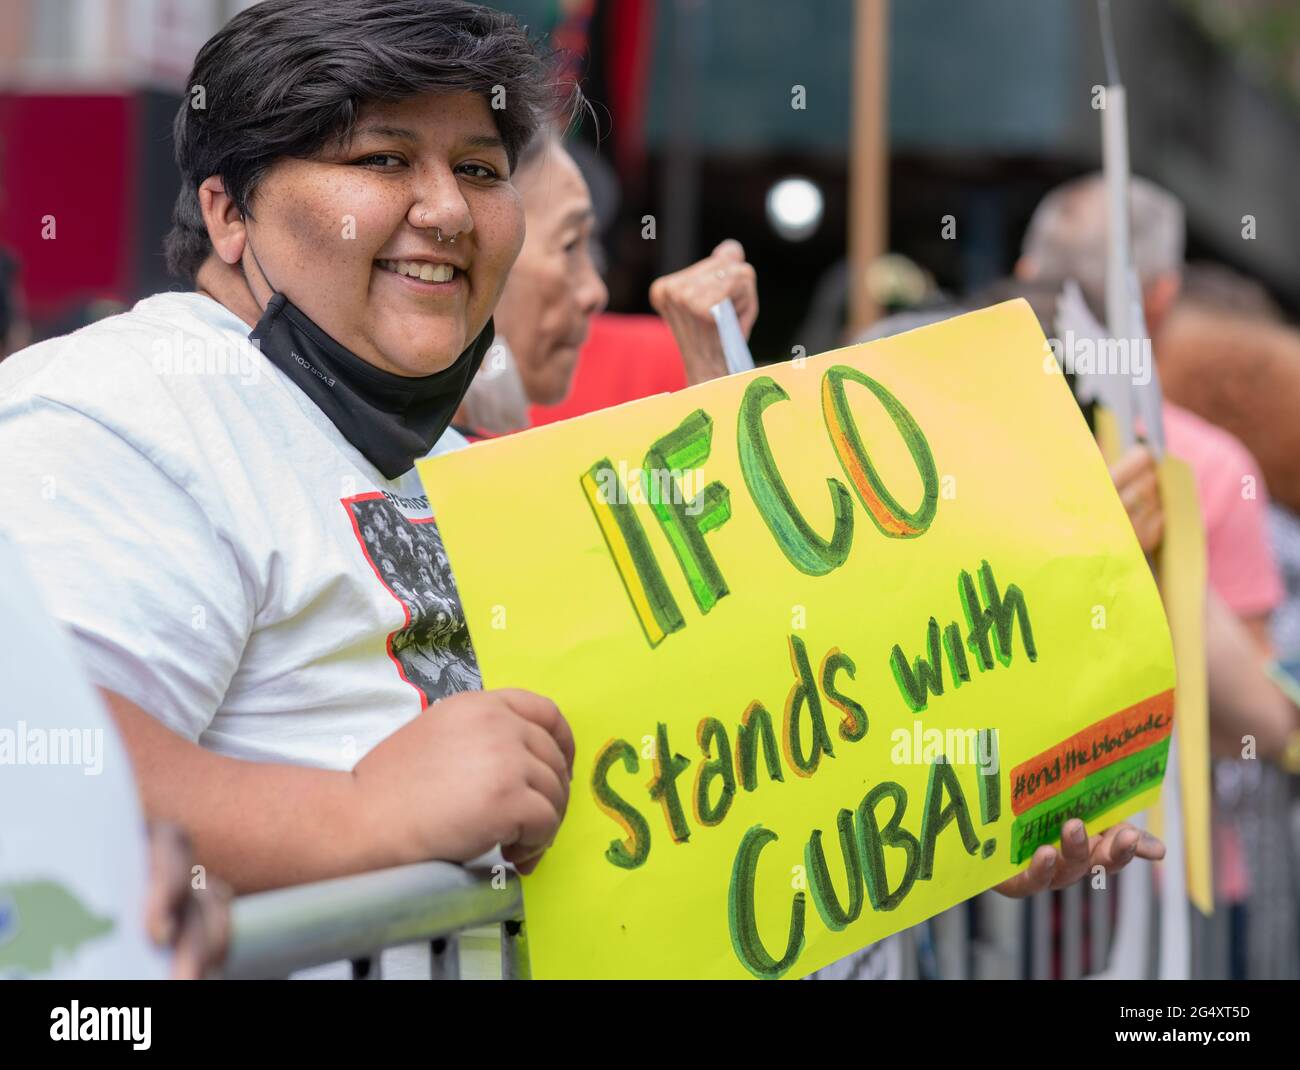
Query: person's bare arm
(1243, 700)
(257, 825)
(1260, 630)
(471, 772)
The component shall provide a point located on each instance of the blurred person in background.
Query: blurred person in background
(553, 291)
(1067, 239)
(15, 332)
(1227, 354)
(1243, 699)
(558, 353)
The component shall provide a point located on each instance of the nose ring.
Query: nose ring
(437, 236)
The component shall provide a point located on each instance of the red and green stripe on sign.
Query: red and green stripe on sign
(1093, 771)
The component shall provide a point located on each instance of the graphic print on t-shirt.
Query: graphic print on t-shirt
(432, 650)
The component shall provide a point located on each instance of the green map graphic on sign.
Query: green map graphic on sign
(40, 921)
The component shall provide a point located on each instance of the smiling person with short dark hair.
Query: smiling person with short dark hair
(235, 538)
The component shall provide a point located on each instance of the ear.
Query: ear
(224, 220)
(1159, 297)
(1025, 269)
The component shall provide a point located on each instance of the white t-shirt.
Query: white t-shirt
(223, 556)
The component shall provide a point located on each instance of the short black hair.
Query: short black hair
(284, 78)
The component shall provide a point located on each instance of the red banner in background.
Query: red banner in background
(67, 209)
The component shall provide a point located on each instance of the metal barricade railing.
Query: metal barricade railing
(355, 918)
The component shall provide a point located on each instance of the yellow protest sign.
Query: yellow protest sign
(1181, 572)
(768, 604)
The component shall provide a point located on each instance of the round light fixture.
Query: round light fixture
(795, 207)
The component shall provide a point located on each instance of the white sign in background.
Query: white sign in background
(73, 854)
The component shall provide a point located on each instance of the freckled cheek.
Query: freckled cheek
(376, 224)
(501, 236)
(379, 218)
(352, 221)
(321, 246)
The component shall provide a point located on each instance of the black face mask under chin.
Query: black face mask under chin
(393, 420)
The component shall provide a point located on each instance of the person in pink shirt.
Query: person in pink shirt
(1066, 239)
(1234, 506)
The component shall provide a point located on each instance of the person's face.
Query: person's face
(554, 288)
(335, 232)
